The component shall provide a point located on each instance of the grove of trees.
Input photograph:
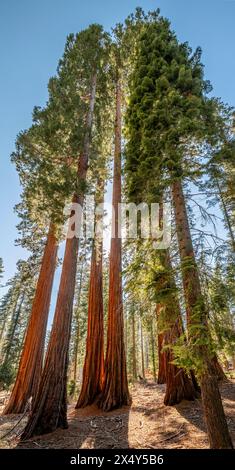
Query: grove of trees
(131, 106)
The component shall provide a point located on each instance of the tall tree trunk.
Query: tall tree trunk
(142, 349)
(197, 317)
(115, 387)
(50, 407)
(134, 366)
(31, 362)
(93, 370)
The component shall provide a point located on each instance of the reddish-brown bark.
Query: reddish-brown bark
(93, 370)
(31, 361)
(196, 314)
(115, 387)
(49, 411)
(179, 386)
(134, 362)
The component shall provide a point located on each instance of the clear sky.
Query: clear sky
(32, 37)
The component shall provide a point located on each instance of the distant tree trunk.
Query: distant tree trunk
(14, 307)
(13, 326)
(153, 351)
(196, 315)
(147, 353)
(126, 332)
(31, 361)
(226, 215)
(93, 370)
(161, 379)
(142, 349)
(115, 387)
(75, 355)
(50, 407)
(134, 365)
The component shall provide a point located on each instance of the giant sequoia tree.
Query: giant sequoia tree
(115, 387)
(49, 412)
(169, 116)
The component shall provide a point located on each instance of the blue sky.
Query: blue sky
(32, 37)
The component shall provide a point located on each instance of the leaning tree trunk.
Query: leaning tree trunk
(49, 411)
(115, 387)
(31, 361)
(93, 370)
(196, 318)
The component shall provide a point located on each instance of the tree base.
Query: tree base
(179, 386)
(110, 403)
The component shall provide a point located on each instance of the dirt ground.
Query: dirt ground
(146, 424)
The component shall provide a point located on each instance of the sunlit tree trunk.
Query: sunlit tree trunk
(93, 370)
(31, 362)
(115, 387)
(50, 407)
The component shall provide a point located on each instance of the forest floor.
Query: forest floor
(146, 424)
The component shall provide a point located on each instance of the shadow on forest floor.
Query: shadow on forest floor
(146, 424)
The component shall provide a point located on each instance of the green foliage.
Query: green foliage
(168, 110)
(7, 375)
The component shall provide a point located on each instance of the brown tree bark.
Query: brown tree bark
(134, 365)
(115, 387)
(49, 411)
(153, 351)
(31, 361)
(142, 350)
(93, 370)
(197, 316)
(76, 347)
(161, 379)
(179, 386)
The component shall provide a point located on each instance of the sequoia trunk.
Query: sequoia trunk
(31, 362)
(93, 370)
(50, 407)
(115, 387)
